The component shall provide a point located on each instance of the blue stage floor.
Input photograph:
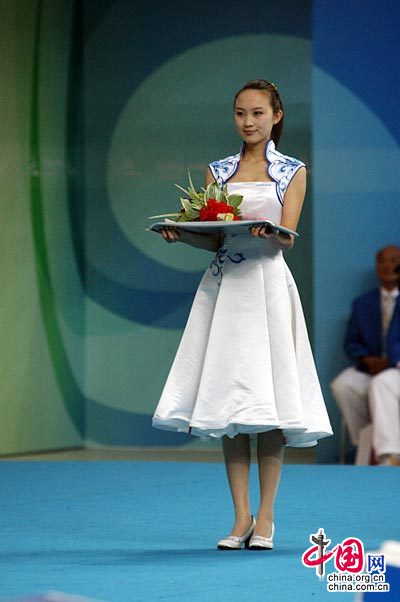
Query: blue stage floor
(147, 531)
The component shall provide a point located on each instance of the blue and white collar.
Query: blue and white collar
(281, 168)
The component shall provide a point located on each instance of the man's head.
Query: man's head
(387, 260)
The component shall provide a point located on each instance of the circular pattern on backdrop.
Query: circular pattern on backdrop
(176, 120)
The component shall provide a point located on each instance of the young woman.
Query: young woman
(244, 367)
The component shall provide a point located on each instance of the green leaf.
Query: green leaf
(163, 215)
(183, 189)
(189, 216)
(213, 192)
(190, 180)
(235, 200)
(186, 204)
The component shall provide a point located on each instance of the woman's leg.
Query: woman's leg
(237, 456)
(270, 452)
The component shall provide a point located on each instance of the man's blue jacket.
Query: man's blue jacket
(364, 330)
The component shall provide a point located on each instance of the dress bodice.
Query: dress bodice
(260, 200)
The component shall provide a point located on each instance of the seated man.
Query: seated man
(370, 390)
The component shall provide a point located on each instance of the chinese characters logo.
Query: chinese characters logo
(348, 555)
(350, 562)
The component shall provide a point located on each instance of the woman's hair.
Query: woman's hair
(276, 103)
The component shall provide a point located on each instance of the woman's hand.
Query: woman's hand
(209, 242)
(170, 234)
(280, 240)
(264, 231)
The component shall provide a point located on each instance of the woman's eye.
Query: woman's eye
(258, 113)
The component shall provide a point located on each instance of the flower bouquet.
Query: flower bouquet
(209, 204)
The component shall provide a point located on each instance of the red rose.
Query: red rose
(205, 214)
(210, 211)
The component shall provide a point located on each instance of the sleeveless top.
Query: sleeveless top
(281, 168)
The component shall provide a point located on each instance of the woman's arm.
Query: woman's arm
(209, 242)
(294, 199)
(209, 177)
(292, 206)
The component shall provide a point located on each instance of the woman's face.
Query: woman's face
(254, 117)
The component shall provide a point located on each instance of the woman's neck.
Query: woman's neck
(254, 152)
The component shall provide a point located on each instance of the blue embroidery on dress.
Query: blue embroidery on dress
(240, 257)
(281, 168)
(218, 262)
(224, 169)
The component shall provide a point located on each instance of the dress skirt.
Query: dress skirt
(244, 363)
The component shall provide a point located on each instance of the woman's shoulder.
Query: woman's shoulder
(223, 169)
(271, 152)
(282, 168)
(276, 156)
(226, 160)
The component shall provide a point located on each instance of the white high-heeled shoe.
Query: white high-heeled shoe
(257, 542)
(234, 542)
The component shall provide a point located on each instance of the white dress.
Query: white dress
(244, 363)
